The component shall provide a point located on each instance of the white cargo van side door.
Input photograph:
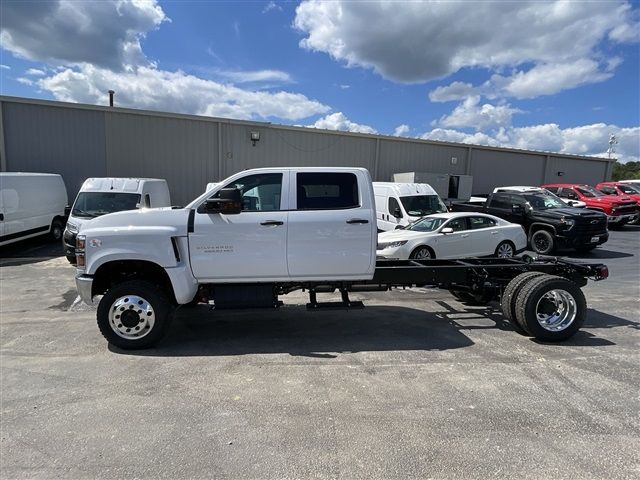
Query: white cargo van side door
(332, 230)
(250, 246)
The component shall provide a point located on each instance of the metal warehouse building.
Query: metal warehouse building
(80, 141)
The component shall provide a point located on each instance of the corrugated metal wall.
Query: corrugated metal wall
(492, 169)
(188, 151)
(54, 140)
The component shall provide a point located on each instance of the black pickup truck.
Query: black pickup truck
(549, 222)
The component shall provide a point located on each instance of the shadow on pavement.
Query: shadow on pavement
(196, 331)
(596, 254)
(33, 250)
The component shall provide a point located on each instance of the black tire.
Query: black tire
(415, 255)
(585, 249)
(161, 308)
(502, 246)
(508, 300)
(542, 242)
(530, 301)
(56, 230)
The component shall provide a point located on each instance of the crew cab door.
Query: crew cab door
(250, 246)
(332, 231)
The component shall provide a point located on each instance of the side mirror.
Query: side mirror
(397, 213)
(399, 227)
(67, 211)
(228, 203)
(446, 230)
(517, 209)
(571, 203)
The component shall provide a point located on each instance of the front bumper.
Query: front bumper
(84, 284)
(621, 219)
(584, 240)
(69, 244)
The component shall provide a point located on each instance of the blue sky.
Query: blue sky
(554, 76)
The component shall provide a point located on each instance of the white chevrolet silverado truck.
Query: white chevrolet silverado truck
(267, 232)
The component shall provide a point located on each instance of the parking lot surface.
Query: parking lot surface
(416, 385)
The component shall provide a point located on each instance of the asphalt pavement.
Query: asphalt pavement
(415, 385)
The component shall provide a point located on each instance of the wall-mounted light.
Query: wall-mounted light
(454, 160)
(560, 174)
(255, 137)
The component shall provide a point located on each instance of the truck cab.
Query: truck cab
(101, 196)
(399, 204)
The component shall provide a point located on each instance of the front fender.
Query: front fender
(152, 244)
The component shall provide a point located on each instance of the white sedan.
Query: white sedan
(453, 235)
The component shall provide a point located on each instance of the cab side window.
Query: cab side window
(608, 190)
(260, 192)
(568, 193)
(327, 191)
(394, 207)
(501, 200)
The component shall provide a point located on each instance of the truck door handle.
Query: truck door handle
(271, 223)
(352, 221)
(464, 235)
(494, 233)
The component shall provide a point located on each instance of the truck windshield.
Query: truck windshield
(544, 202)
(589, 191)
(420, 205)
(427, 224)
(95, 204)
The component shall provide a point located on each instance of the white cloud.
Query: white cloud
(453, 91)
(583, 140)
(25, 81)
(338, 121)
(422, 41)
(105, 33)
(271, 6)
(154, 89)
(5, 67)
(255, 76)
(36, 72)
(401, 130)
(471, 113)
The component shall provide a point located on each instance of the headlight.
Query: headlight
(72, 227)
(569, 222)
(80, 242)
(382, 246)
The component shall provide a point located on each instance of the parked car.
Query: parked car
(527, 189)
(399, 204)
(620, 210)
(547, 220)
(622, 189)
(100, 196)
(31, 204)
(453, 235)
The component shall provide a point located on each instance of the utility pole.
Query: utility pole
(613, 141)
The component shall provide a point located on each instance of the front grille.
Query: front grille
(70, 238)
(626, 210)
(590, 226)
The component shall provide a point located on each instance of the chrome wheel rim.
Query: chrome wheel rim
(422, 254)
(505, 251)
(556, 310)
(131, 317)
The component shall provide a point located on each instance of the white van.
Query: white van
(31, 204)
(99, 196)
(399, 204)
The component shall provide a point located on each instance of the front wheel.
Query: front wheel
(56, 230)
(134, 315)
(505, 250)
(422, 253)
(542, 242)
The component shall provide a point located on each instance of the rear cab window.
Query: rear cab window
(501, 201)
(326, 191)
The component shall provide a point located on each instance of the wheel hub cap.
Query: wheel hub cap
(505, 251)
(131, 317)
(556, 310)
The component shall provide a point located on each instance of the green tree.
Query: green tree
(626, 171)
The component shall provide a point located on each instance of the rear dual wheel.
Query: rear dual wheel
(547, 307)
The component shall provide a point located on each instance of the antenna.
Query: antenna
(613, 141)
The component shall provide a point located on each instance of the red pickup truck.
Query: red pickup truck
(621, 189)
(620, 210)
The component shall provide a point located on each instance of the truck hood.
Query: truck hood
(567, 212)
(609, 200)
(165, 217)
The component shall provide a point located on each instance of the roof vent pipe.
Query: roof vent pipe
(111, 92)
